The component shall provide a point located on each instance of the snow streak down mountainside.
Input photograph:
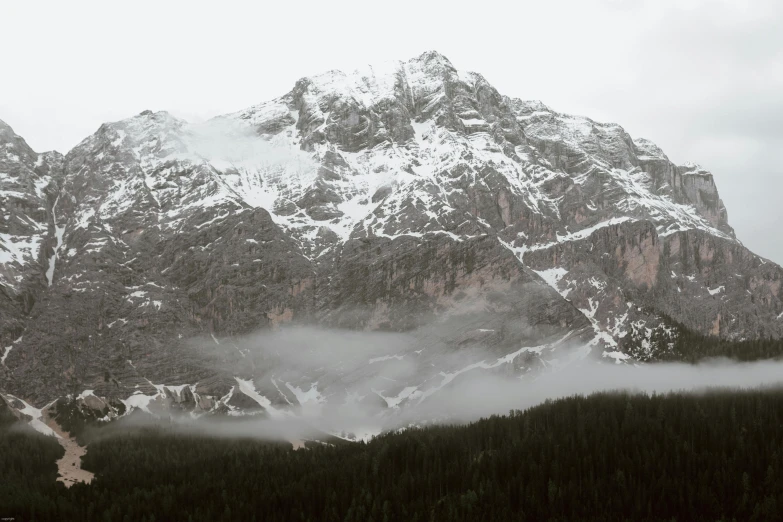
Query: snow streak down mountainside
(408, 197)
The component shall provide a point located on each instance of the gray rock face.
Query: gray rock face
(27, 185)
(410, 197)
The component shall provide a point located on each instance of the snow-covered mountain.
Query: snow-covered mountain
(409, 197)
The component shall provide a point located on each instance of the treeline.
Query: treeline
(27, 469)
(692, 347)
(79, 422)
(717, 456)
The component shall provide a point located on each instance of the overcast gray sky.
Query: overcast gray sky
(702, 78)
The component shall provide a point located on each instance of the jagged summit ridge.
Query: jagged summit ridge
(321, 111)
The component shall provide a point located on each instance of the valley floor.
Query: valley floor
(608, 456)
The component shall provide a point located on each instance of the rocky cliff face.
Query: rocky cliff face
(27, 184)
(411, 197)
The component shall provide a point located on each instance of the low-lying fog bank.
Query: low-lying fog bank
(468, 397)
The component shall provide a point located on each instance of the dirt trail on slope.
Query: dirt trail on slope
(70, 465)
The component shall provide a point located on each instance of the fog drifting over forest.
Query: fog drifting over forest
(344, 367)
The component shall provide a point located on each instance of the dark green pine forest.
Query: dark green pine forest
(693, 347)
(609, 456)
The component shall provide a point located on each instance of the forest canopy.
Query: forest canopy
(608, 456)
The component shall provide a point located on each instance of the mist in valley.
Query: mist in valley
(323, 382)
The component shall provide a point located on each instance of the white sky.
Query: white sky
(701, 78)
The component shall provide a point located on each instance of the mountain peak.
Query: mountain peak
(378, 81)
(432, 56)
(6, 131)
(399, 196)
